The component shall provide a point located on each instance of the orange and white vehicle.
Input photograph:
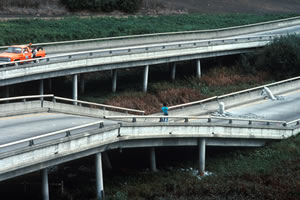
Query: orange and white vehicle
(21, 52)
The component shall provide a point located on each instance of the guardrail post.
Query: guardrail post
(101, 125)
(31, 143)
(250, 122)
(68, 133)
(209, 120)
(133, 119)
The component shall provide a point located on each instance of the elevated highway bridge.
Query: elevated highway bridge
(45, 130)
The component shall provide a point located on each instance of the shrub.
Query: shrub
(281, 56)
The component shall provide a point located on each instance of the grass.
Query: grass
(24, 31)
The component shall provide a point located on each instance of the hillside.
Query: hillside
(154, 7)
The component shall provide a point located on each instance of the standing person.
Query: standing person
(165, 109)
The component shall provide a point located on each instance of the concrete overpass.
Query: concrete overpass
(143, 51)
(98, 130)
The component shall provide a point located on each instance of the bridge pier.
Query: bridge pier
(45, 185)
(42, 88)
(82, 84)
(198, 69)
(173, 71)
(114, 80)
(99, 178)
(145, 81)
(201, 151)
(75, 90)
(152, 160)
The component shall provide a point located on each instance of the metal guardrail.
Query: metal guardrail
(141, 49)
(216, 98)
(78, 102)
(67, 131)
(207, 118)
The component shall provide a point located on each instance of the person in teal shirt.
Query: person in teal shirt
(165, 109)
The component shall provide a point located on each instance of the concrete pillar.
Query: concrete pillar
(201, 148)
(152, 160)
(173, 71)
(82, 84)
(114, 80)
(45, 186)
(75, 90)
(42, 89)
(50, 84)
(99, 177)
(145, 83)
(198, 69)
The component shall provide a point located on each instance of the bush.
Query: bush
(281, 56)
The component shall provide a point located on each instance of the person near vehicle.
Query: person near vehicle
(165, 109)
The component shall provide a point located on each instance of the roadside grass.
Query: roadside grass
(24, 31)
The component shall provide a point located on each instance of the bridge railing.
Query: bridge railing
(97, 105)
(207, 119)
(54, 99)
(233, 94)
(67, 132)
(140, 49)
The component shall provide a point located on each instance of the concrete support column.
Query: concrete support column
(145, 83)
(114, 80)
(82, 84)
(152, 160)
(173, 71)
(201, 148)
(42, 88)
(50, 84)
(75, 89)
(198, 69)
(99, 177)
(45, 186)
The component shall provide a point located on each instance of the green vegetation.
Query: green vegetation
(73, 28)
(281, 56)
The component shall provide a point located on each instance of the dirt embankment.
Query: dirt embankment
(38, 8)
